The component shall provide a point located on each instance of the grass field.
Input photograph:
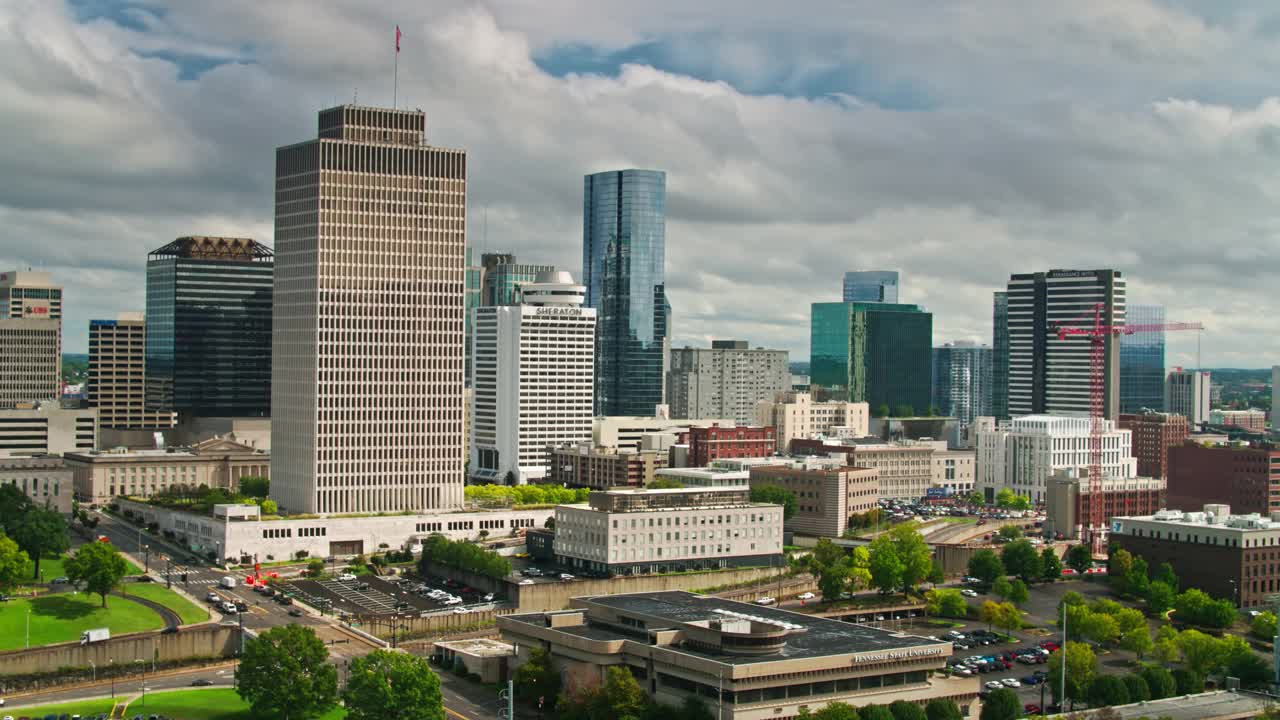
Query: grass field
(156, 592)
(54, 566)
(213, 704)
(62, 617)
(83, 708)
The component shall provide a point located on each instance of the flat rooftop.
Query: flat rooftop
(1220, 705)
(479, 647)
(820, 637)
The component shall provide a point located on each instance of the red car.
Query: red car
(1031, 709)
(1049, 645)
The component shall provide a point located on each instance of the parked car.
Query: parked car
(1032, 709)
(201, 682)
(295, 612)
(969, 593)
(1032, 680)
(1012, 683)
(805, 596)
(346, 577)
(566, 576)
(993, 685)
(61, 580)
(765, 601)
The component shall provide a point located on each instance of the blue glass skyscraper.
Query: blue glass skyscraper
(877, 286)
(1142, 361)
(623, 254)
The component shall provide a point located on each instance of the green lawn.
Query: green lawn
(62, 617)
(212, 704)
(156, 592)
(53, 566)
(80, 707)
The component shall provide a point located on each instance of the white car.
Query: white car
(488, 597)
(806, 596)
(1012, 683)
(962, 670)
(526, 581)
(969, 593)
(461, 611)
(347, 577)
(993, 685)
(229, 609)
(566, 576)
(765, 601)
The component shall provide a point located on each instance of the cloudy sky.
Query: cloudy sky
(956, 142)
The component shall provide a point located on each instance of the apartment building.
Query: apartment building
(827, 492)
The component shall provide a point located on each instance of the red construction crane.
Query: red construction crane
(1098, 334)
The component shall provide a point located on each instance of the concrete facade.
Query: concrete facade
(532, 380)
(30, 366)
(321, 536)
(367, 319)
(1187, 393)
(796, 415)
(602, 468)
(714, 476)
(117, 375)
(954, 469)
(726, 380)
(628, 432)
(1021, 454)
(827, 492)
(1070, 499)
(46, 480)
(217, 463)
(47, 429)
(745, 662)
(636, 531)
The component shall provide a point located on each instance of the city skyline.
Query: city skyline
(178, 170)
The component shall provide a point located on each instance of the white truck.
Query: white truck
(95, 635)
(227, 582)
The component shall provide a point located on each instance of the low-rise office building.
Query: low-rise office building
(1243, 477)
(600, 468)
(1070, 499)
(46, 480)
(906, 469)
(744, 662)
(1227, 556)
(1022, 454)
(638, 531)
(1251, 419)
(708, 444)
(714, 476)
(627, 432)
(827, 492)
(217, 463)
(1153, 434)
(47, 428)
(954, 469)
(795, 415)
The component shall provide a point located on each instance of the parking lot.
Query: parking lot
(370, 595)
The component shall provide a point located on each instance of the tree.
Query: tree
(269, 507)
(664, 483)
(1098, 627)
(832, 581)
(975, 498)
(1263, 626)
(904, 411)
(1009, 533)
(1107, 691)
(1189, 683)
(1002, 588)
(387, 684)
(1137, 640)
(41, 532)
(776, 495)
(1119, 564)
(1001, 704)
(1018, 593)
(285, 673)
(1196, 607)
(1051, 564)
(936, 573)
(1010, 500)
(98, 566)
(904, 710)
(1136, 582)
(1160, 597)
(945, 602)
(1079, 558)
(1160, 682)
(837, 711)
(1002, 615)
(1020, 558)
(315, 567)
(1165, 574)
(875, 712)
(622, 694)
(1201, 654)
(15, 566)
(1166, 649)
(537, 679)
(887, 569)
(1137, 687)
(1253, 671)
(255, 486)
(1082, 666)
(942, 709)
(14, 505)
(986, 566)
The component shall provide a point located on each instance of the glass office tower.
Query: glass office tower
(962, 380)
(877, 286)
(623, 253)
(208, 336)
(878, 353)
(1142, 361)
(1000, 355)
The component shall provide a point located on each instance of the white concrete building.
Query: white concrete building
(1187, 393)
(714, 476)
(635, 531)
(46, 480)
(234, 531)
(725, 380)
(795, 415)
(117, 375)
(627, 432)
(954, 469)
(532, 380)
(1023, 453)
(367, 317)
(47, 429)
(30, 337)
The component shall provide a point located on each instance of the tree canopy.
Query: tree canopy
(285, 673)
(1051, 564)
(15, 566)
(1020, 558)
(98, 566)
(469, 557)
(1002, 704)
(986, 566)
(41, 532)
(1082, 666)
(776, 495)
(385, 684)
(899, 559)
(1079, 558)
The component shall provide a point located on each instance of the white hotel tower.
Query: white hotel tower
(532, 379)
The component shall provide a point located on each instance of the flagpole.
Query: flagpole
(395, 81)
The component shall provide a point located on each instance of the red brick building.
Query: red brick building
(1153, 434)
(1246, 478)
(708, 444)
(1069, 501)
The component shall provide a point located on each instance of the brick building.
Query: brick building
(1228, 556)
(1069, 500)
(1246, 478)
(708, 444)
(1251, 419)
(602, 468)
(827, 492)
(1153, 434)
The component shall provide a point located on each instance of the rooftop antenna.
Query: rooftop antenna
(355, 96)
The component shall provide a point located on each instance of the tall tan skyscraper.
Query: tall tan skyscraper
(30, 337)
(366, 382)
(117, 383)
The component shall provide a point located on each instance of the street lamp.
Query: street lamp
(1234, 593)
(94, 665)
(143, 663)
(111, 664)
(146, 563)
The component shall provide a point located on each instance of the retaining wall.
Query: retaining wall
(202, 641)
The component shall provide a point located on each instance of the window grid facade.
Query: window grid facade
(1142, 361)
(117, 384)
